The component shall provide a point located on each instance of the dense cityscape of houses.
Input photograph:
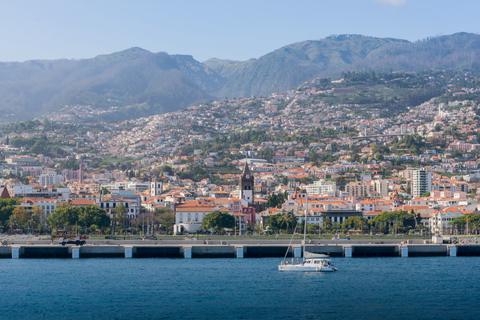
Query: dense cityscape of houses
(438, 181)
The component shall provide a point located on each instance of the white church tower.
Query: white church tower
(156, 188)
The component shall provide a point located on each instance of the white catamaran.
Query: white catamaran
(306, 265)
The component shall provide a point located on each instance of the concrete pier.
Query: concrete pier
(153, 251)
(264, 251)
(452, 251)
(128, 253)
(218, 250)
(470, 250)
(239, 251)
(297, 252)
(102, 251)
(427, 250)
(348, 252)
(75, 252)
(187, 251)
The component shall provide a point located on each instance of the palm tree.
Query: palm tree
(361, 222)
(33, 221)
(12, 222)
(288, 220)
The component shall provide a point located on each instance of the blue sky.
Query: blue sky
(237, 30)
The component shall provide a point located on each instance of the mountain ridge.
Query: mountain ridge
(139, 82)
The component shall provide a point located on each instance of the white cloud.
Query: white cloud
(394, 3)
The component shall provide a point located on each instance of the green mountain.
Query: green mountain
(138, 82)
(291, 65)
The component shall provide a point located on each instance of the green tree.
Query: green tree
(276, 199)
(274, 222)
(287, 221)
(355, 222)
(120, 215)
(327, 224)
(92, 215)
(104, 190)
(64, 216)
(217, 221)
(12, 222)
(6, 209)
(22, 216)
(401, 221)
(166, 217)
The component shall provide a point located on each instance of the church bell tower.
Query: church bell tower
(156, 188)
(247, 185)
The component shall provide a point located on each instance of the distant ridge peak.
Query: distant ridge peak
(346, 36)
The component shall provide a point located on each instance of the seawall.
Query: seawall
(234, 250)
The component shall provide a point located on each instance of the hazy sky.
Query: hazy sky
(227, 29)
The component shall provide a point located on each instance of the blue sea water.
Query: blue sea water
(363, 288)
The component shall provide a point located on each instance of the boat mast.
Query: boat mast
(305, 226)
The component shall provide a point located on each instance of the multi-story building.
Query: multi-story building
(422, 182)
(321, 187)
(381, 186)
(359, 189)
(132, 209)
(50, 178)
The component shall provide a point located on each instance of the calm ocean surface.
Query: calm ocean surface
(370, 288)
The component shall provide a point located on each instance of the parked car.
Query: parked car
(77, 241)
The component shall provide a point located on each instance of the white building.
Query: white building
(321, 187)
(132, 209)
(422, 182)
(381, 186)
(48, 178)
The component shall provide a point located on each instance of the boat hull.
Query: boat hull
(300, 268)
(309, 265)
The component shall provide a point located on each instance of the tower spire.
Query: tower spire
(246, 169)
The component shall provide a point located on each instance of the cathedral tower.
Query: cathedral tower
(247, 185)
(156, 188)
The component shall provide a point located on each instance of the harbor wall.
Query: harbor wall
(348, 250)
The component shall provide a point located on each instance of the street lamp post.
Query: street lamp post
(319, 228)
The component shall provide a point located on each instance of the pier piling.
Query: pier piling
(187, 252)
(297, 252)
(128, 252)
(15, 253)
(347, 252)
(239, 251)
(75, 253)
